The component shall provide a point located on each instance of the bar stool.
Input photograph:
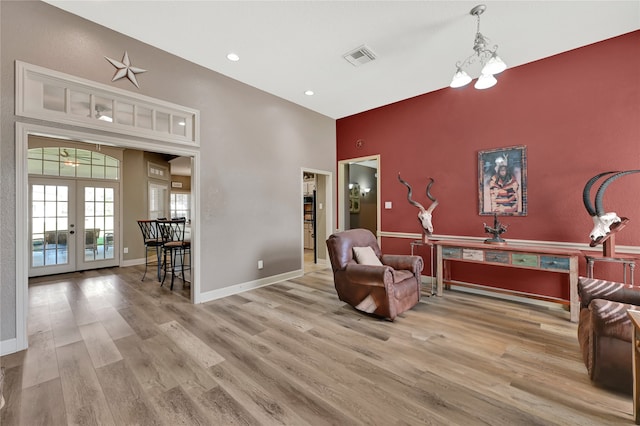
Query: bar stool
(174, 245)
(152, 240)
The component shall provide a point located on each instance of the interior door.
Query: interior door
(73, 225)
(52, 227)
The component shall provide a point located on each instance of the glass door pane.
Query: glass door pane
(52, 227)
(98, 209)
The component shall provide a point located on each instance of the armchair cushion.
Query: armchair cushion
(366, 256)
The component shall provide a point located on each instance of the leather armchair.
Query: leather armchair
(605, 331)
(385, 291)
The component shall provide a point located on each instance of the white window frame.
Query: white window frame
(31, 81)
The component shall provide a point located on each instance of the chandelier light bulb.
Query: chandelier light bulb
(494, 66)
(485, 81)
(460, 79)
(485, 56)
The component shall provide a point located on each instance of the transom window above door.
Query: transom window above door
(50, 95)
(72, 162)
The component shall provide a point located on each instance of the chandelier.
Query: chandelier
(487, 57)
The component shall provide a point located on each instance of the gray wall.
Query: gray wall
(252, 144)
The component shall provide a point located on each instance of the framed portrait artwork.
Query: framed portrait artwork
(502, 187)
(354, 198)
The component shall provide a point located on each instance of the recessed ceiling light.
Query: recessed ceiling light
(233, 57)
(309, 93)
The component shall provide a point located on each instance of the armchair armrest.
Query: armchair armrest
(409, 263)
(611, 319)
(591, 288)
(369, 275)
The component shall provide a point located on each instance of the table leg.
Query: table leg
(433, 267)
(574, 302)
(624, 272)
(439, 270)
(590, 268)
(632, 267)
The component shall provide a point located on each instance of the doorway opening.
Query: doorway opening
(359, 194)
(316, 222)
(24, 240)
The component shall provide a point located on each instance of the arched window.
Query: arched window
(73, 162)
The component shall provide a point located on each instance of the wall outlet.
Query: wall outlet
(126, 250)
(387, 205)
(319, 206)
(260, 264)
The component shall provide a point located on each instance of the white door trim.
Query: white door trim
(23, 130)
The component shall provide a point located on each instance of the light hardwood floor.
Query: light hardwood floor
(309, 266)
(106, 348)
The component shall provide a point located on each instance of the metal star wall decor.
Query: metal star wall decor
(124, 69)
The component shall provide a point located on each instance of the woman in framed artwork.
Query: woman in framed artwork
(503, 189)
(503, 181)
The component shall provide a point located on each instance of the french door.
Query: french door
(73, 225)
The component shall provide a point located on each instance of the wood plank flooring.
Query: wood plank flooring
(106, 348)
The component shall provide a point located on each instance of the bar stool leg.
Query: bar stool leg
(158, 260)
(173, 267)
(164, 266)
(146, 253)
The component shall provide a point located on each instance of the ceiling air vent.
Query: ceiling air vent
(360, 55)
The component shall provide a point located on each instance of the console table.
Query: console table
(513, 256)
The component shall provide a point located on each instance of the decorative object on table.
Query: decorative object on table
(604, 224)
(497, 230)
(487, 57)
(425, 215)
(502, 181)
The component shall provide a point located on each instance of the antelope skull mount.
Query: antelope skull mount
(602, 221)
(425, 215)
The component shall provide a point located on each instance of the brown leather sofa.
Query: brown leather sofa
(605, 331)
(385, 291)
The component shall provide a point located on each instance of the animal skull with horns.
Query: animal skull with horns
(602, 221)
(425, 215)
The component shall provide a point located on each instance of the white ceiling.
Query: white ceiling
(288, 47)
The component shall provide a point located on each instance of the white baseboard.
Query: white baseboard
(8, 346)
(132, 262)
(249, 285)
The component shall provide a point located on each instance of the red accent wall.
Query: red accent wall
(578, 113)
